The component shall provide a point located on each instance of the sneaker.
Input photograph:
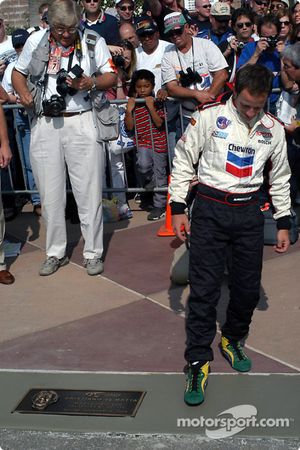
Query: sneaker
(137, 198)
(124, 211)
(196, 382)
(156, 213)
(234, 353)
(94, 266)
(52, 264)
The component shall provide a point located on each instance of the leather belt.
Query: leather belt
(228, 198)
(69, 114)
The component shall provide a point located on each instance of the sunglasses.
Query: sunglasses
(126, 8)
(277, 5)
(61, 31)
(244, 24)
(259, 3)
(145, 34)
(285, 22)
(91, 1)
(206, 6)
(173, 33)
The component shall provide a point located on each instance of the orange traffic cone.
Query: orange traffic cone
(167, 229)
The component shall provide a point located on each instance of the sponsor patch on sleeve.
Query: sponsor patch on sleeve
(193, 121)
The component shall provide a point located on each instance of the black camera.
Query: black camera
(61, 85)
(272, 41)
(54, 106)
(119, 61)
(189, 78)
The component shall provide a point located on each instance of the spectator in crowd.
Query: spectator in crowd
(291, 68)
(125, 64)
(278, 5)
(19, 37)
(5, 156)
(7, 55)
(96, 19)
(226, 214)
(7, 52)
(125, 10)
(43, 14)
(151, 51)
(149, 122)
(265, 52)
(63, 129)
(160, 8)
(229, 3)
(242, 26)
(296, 13)
(295, 36)
(193, 69)
(220, 30)
(259, 7)
(128, 33)
(203, 8)
(286, 23)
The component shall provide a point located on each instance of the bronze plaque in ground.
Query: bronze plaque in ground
(81, 402)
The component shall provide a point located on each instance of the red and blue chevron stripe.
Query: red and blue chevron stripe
(239, 166)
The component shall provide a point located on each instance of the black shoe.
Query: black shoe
(156, 213)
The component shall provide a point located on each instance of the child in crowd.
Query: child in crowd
(151, 140)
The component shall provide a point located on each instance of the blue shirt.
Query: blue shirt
(271, 60)
(108, 28)
(217, 39)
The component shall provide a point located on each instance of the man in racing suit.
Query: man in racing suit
(231, 144)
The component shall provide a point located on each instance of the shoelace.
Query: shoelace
(196, 379)
(237, 348)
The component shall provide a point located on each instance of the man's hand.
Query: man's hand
(283, 241)
(181, 226)
(161, 95)
(83, 83)
(261, 46)
(5, 155)
(202, 96)
(26, 99)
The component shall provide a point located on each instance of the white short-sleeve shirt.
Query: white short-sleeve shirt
(101, 62)
(204, 57)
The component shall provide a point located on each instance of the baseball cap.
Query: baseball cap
(174, 21)
(145, 25)
(119, 1)
(19, 37)
(220, 11)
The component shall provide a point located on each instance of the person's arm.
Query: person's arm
(129, 122)
(219, 79)
(19, 82)
(5, 153)
(280, 191)
(247, 58)
(158, 121)
(187, 153)
(4, 97)
(177, 91)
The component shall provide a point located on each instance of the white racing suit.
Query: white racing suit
(231, 157)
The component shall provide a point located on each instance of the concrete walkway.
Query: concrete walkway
(126, 328)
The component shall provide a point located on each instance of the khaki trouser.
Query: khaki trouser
(55, 142)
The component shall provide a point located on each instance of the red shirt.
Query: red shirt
(144, 125)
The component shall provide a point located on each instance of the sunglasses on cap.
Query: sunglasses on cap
(244, 24)
(173, 33)
(260, 3)
(126, 8)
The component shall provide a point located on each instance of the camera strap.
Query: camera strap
(178, 56)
